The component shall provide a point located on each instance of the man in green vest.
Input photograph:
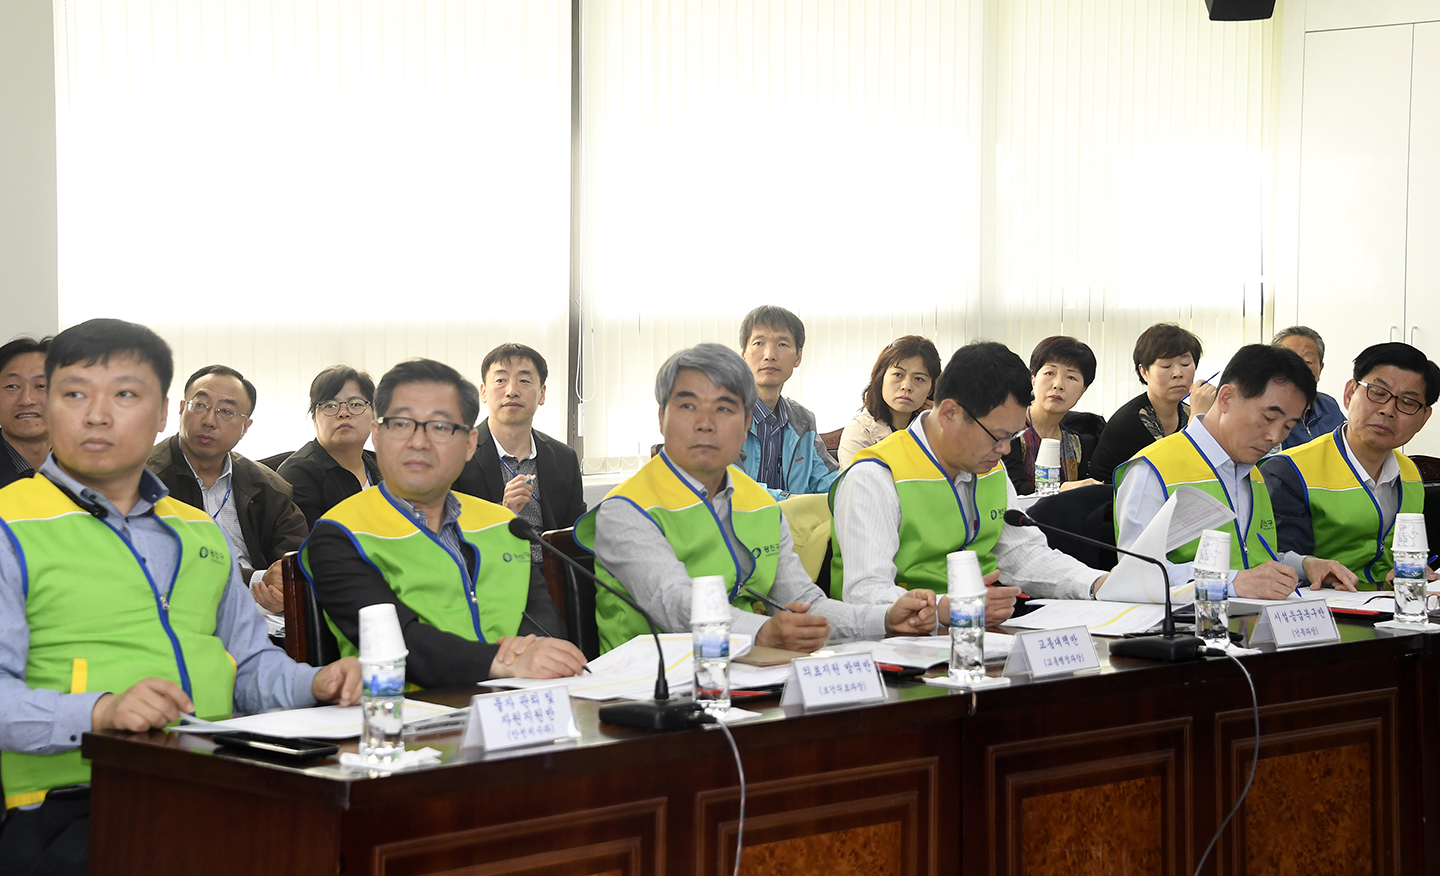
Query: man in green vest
(939, 486)
(690, 512)
(1340, 492)
(120, 608)
(1263, 392)
(470, 604)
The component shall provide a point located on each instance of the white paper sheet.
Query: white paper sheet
(1100, 617)
(628, 672)
(1181, 519)
(924, 652)
(320, 722)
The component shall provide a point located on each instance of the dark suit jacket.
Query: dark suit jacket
(269, 520)
(9, 471)
(320, 483)
(562, 494)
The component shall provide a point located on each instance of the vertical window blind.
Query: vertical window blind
(280, 185)
(283, 184)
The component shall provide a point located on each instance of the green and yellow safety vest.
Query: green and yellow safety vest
(98, 620)
(933, 521)
(692, 528)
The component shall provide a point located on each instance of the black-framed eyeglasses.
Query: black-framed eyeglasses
(1006, 440)
(201, 408)
(1381, 396)
(356, 407)
(438, 430)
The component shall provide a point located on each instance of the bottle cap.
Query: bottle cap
(1213, 554)
(709, 603)
(1048, 456)
(380, 638)
(1410, 533)
(962, 573)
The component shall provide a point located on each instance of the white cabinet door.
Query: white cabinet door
(1354, 162)
(1422, 250)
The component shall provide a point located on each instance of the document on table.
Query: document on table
(320, 722)
(924, 652)
(1184, 515)
(628, 672)
(1101, 617)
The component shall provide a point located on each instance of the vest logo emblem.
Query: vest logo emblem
(217, 556)
(755, 552)
(507, 556)
(994, 513)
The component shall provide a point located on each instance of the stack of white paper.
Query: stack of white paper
(320, 722)
(1184, 515)
(1101, 617)
(629, 671)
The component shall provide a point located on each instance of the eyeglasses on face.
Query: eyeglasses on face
(201, 408)
(996, 440)
(355, 406)
(1381, 396)
(438, 430)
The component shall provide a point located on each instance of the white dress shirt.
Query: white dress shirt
(1141, 495)
(867, 527)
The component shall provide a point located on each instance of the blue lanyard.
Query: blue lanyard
(216, 515)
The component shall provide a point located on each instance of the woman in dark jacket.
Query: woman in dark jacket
(336, 465)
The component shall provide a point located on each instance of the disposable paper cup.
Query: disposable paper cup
(380, 638)
(1213, 555)
(962, 573)
(1048, 456)
(709, 603)
(1410, 533)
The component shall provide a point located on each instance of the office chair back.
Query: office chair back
(307, 637)
(1086, 510)
(574, 596)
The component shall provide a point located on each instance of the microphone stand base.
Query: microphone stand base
(1170, 649)
(672, 714)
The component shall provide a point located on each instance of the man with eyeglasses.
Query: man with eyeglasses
(470, 604)
(1340, 492)
(939, 486)
(1263, 391)
(252, 505)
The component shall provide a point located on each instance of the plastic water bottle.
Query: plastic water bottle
(967, 617)
(382, 679)
(1410, 546)
(382, 721)
(1047, 467)
(710, 628)
(1212, 588)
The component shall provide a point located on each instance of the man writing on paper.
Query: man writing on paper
(120, 608)
(939, 486)
(690, 513)
(1262, 394)
(470, 603)
(252, 504)
(1340, 492)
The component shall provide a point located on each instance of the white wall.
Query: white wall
(28, 255)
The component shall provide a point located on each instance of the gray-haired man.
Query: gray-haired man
(690, 513)
(1324, 414)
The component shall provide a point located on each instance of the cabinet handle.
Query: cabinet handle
(1412, 334)
(1393, 330)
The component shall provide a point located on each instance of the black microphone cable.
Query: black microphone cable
(1254, 757)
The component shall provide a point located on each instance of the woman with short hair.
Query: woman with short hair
(335, 465)
(1165, 358)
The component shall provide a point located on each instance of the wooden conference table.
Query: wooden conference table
(1126, 771)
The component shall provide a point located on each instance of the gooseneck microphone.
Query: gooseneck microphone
(663, 713)
(1167, 646)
